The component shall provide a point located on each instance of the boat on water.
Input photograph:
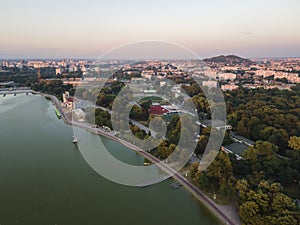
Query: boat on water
(75, 139)
(57, 113)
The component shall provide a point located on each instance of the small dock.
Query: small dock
(175, 185)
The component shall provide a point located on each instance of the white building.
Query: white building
(147, 74)
(149, 92)
(58, 71)
(227, 76)
(162, 83)
(292, 77)
(210, 83)
(229, 87)
(264, 73)
(68, 101)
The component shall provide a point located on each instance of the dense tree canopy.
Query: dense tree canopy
(265, 204)
(217, 179)
(269, 115)
(54, 87)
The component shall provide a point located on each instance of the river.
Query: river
(45, 180)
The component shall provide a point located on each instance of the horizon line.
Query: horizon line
(95, 59)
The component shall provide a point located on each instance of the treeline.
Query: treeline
(267, 179)
(28, 76)
(103, 97)
(266, 204)
(53, 87)
(24, 79)
(261, 184)
(258, 185)
(217, 180)
(98, 117)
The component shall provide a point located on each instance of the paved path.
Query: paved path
(138, 124)
(195, 191)
(241, 139)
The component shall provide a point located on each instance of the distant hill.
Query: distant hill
(228, 59)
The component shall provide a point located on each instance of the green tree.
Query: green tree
(265, 204)
(249, 213)
(294, 143)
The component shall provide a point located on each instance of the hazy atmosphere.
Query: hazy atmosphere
(130, 112)
(56, 29)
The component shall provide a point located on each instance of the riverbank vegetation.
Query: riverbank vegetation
(265, 182)
(53, 87)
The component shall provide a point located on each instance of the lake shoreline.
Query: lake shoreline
(215, 209)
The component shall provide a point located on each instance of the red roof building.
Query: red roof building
(157, 110)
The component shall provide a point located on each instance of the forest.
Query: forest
(265, 183)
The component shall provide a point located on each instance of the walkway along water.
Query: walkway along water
(195, 191)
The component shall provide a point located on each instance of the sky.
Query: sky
(88, 29)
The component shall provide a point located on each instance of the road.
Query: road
(241, 139)
(84, 104)
(190, 187)
(251, 143)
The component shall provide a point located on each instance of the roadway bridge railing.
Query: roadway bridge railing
(7, 91)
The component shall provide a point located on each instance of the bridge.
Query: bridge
(15, 91)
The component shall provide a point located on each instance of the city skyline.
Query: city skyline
(153, 112)
(71, 29)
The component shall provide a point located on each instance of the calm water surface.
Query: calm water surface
(45, 180)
